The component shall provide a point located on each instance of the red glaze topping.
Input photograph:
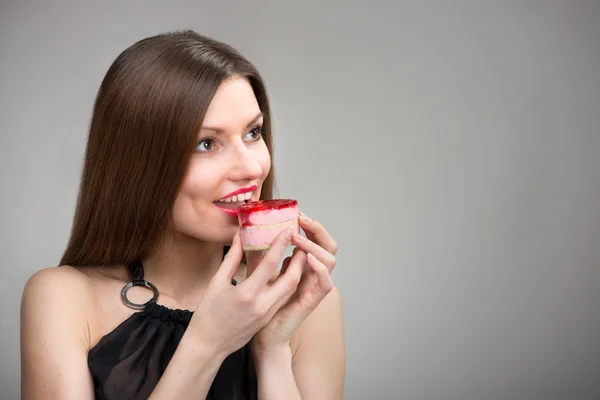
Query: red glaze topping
(261, 205)
(245, 210)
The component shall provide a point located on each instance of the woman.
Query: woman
(144, 305)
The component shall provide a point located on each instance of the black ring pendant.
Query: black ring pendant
(138, 282)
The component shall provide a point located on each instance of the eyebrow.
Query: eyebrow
(248, 126)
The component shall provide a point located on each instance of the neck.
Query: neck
(182, 267)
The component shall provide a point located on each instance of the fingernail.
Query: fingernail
(304, 217)
(236, 237)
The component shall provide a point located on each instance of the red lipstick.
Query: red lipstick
(240, 191)
(231, 208)
(229, 211)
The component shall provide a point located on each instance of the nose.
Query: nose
(244, 165)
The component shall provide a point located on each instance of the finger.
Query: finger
(253, 259)
(263, 271)
(231, 262)
(285, 286)
(319, 252)
(284, 268)
(323, 275)
(285, 264)
(318, 234)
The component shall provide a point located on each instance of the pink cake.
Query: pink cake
(261, 221)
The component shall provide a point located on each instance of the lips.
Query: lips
(231, 202)
(238, 195)
(229, 211)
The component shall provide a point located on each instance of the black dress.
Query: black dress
(128, 362)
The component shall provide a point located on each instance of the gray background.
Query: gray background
(452, 148)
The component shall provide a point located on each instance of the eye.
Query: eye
(255, 134)
(205, 145)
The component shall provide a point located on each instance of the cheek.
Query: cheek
(200, 181)
(264, 159)
(196, 192)
(199, 184)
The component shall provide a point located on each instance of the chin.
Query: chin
(217, 228)
(224, 237)
(229, 240)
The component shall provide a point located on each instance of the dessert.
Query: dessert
(261, 221)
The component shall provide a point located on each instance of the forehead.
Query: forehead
(233, 104)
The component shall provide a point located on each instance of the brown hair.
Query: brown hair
(144, 128)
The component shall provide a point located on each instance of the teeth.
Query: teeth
(238, 198)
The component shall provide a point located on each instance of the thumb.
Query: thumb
(231, 262)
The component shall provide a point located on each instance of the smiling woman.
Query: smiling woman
(180, 138)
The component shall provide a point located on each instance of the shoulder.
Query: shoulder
(64, 275)
(64, 293)
(57, 284)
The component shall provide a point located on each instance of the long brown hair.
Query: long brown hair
(144, 128)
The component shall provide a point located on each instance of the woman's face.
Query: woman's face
(231, 157)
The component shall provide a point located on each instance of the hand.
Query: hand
(228, 316)
(316, 252)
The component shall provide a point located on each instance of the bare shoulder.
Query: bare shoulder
(63, 288)
(57, 301)
(55, 306)
(320, 341)
(62, 276)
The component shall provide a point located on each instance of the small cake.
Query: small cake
(261, 221)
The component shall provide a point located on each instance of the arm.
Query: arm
(54, 336)
(317, 368)
(190, 372)
(276, 379)
(320, 359)
(233, 314)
